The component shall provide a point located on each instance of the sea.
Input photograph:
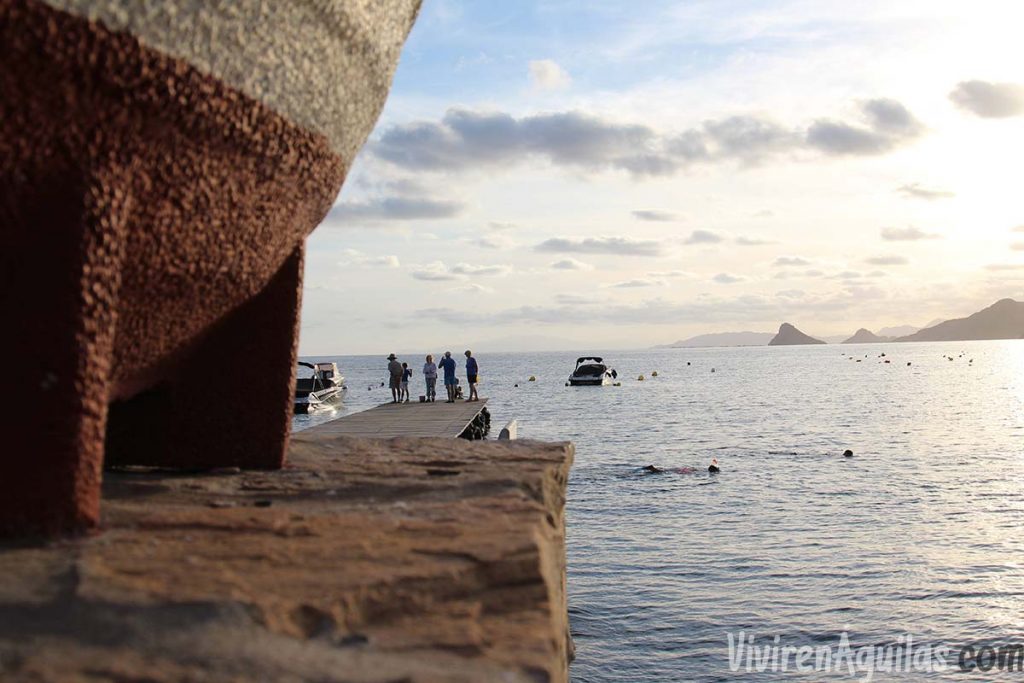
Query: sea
(903, 562)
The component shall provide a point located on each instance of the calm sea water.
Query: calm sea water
(922, 532)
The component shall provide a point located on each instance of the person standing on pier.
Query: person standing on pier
(472, 369)
(395, 370)
(448, 365)
(406, 376)
(430, 374)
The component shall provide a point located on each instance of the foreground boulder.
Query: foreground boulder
(161, 164)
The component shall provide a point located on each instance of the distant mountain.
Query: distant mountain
(790, 336)
(863, 336)
(1002, 320)
(899, 331)
(722, 339)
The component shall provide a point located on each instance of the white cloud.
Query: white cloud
(703, 237)
(791, 261)
(908, 234)
(915, 191)
(728, 278)
(655, 216)
(989, 100)
(602, 245)
(636, 283)
(546, 74)
(891, 260)
(571, 264)
(354, 257)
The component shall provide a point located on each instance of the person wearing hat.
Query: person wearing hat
(396, 371)
(448, 365)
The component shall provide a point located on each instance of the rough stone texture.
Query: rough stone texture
(152, 222)
(324, 64)
(400, 560)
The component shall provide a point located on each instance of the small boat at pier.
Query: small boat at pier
(323, 390)
(591, 372)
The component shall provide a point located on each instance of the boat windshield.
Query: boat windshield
(590, 370)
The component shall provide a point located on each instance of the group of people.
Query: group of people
(401, 374)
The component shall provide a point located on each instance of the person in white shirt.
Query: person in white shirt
(430, 374)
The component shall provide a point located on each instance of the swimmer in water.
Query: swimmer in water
(847, 453)
(651, 469)
(713, 467)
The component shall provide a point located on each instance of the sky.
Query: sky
(595, 175)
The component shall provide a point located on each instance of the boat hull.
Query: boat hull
(589, 381)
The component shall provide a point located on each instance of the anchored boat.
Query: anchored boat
(321, 391)
(591, 371)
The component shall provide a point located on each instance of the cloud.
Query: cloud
(493, 242)
(602, 245)
(711, 310)
(703, 237)
(475, 288)
(669, 273)
(546, 74)
(752, 242)
(656, 216)
(498, 225)
(394, 209)
(354, 257)
(989, 100)
(889, 125)
(749, 138)
(1019, 228)
(632, 284)
(1017, 246)
(908, 234)
(727, 279)
(790, 261)
(915, 191)
(465, 139)
(571, 264)
(765, 213)
(467, 269)
(1005, 266)
(437, 271)
(887, 261)
(576, 299)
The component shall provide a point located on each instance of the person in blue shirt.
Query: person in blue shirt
(448, 365)
(471, 375)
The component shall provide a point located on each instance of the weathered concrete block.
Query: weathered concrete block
(161, 164)
(354, 563)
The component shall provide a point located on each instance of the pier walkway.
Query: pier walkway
(439, 419)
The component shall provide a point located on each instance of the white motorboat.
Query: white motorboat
(591, 372)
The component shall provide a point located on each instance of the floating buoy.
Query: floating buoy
(712, 369)
(908, 363)
(566, 384)
(687, 362)
(640, 378)
(532, 378)
(654, 374)
(516, 386)
(887, 361)
(617, 384)
(847, 453)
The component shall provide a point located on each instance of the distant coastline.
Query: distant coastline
(1002, 320)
